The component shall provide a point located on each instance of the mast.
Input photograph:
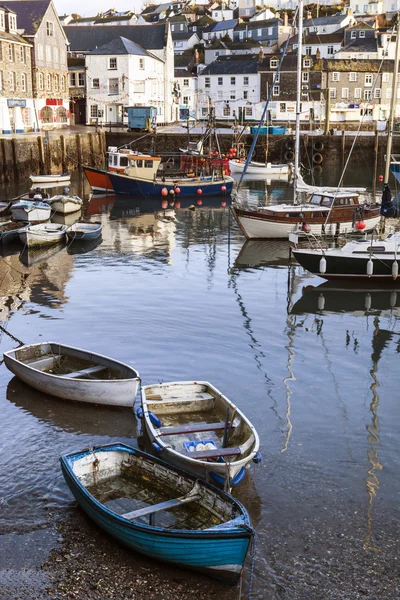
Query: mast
(393, 102)
(298, 97)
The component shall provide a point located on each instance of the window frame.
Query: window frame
(112, 63)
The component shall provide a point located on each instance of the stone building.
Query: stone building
(39, 25)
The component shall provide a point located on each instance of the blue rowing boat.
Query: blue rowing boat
(159, 510)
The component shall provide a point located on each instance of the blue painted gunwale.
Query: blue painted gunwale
(129, 186)
(208, 551)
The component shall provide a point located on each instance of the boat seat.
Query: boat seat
(217, 453)
(40, 364)
(158, 399)
(84, 372)
(192, 428)
(193, 495)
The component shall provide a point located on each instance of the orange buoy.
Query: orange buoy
(177, 190)
(164, 192)
(223, 188)
(164, 204)
(360, 225)
(199, 202)
(199, 191)
(223, 203)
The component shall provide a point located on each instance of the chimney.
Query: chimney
(277, 15)
(309, 15)
(261, 54)
(285, 19)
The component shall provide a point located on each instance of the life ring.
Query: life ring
(289, 155)
(317, 158)
(289, 145)
(318, 146)
(317, 169)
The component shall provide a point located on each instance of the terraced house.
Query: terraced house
(38, 25)
(16, 104)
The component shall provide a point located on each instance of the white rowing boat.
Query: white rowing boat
(58, 178)
(257, 168)
(65, 204)
(43, 234)
(74, 374)
(192, 425)
(32, 212)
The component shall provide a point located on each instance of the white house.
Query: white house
(218, 30)
(121, 74)
(330, 24)
(325, 46)
(222, 13)
(186, 85)
(263, 15)
(232, 85)
(184, 41)
(361, 7)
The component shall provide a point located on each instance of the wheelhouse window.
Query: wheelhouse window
(148, 164)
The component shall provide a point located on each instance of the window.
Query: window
(245, 81)
(308, 50)
(48, 53)
(113, 87)
(141, 64)
(204, 112)
(81, 79)
(40, 81)
(367, 94)
(345, 93)
(186, 82)
(23, 82)
(62, 83)
(232, 96)
(12, 81)
(220, 81)
(22, 54)
(282, 107)
(216, 54)
(385, 77)
(245, 95)
(227, 111)
(112, 63)
(277, 77)
(186, 100)
(241, 35)
(220, 94)
(352, 76)
(269, 30)
(207, 84)
(1, 80)
(56, 83)
(367, 112)
(275, 90)
(377, 93)
(305, 77)
(12, 21)
(259, 32)
(362, 34)
(55, 55)
(306, 63)
(332, 93)
(388, 93)
(94, 113)
(331, 50)
(72, 80)
(10, 52)
(96, 83)
(2, 22)
(248, 111)
(335, 76)
(48, 82)
(273, 63)
(368, 79)
(233, 80)
(353, 35)
(40, 51)
(357, 93)
(148, 164)
(50, 28)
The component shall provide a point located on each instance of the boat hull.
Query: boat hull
(98, 180)
(50, 178)
(219, 553)
(255, 225)
(129, 186)
(84, 232)
(31, 215)
(65, 207)
(37, 237)
(117, 392)
(255, 168)
(346, 267)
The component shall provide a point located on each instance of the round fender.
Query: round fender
(154, 420)
(257, 458)
(317, 158)
(318, 146)
(289, 155)
(140, 413)
(156, 447)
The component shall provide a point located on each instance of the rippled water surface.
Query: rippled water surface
(180, 295)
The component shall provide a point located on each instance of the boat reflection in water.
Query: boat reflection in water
(82, 247)
(131, 206)
(263, 253)
(329, 297)
(100, 204)
(64, 416)
(30, 257)
(68, 219)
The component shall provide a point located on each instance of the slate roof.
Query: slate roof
(182, 61)
(29, 13)
(235, 65)
(315, 38)
(85, 38)
(204, 21)
(13, 37)
(259, 24)
(222, 25)
(332, 20)
(182, 36)
(362, 45)
(121, 45)
(183, 73)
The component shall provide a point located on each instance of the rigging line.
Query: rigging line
(11, 336)
(255, 138)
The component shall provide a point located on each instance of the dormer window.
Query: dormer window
(273, 63)
(12, 22)
(306, 63)
(353, 35)
(2, 20)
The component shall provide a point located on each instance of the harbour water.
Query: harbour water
(180, 295)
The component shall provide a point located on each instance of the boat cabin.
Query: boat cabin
(117, 159)
(143, 166)
(328, 200)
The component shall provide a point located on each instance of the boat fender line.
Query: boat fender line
(317, 158)
(318, 146)
(257, 458)
(156, 447)
(220, 480)
(289, 155)
(322, 265)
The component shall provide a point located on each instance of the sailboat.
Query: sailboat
(373, 258)
(327, 211)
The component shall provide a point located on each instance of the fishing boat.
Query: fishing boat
(58, 178)
(117, 162)
(43, 234)
(257, 168)
(370, 259)
(74, 374)
(192, 425)
(31, 211)
(65, 204)
(159, 510)
(10, 230)
(323, 214)
(84, 231)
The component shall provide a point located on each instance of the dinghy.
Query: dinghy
(44, 234)
(74, 374)
(58, 178)
(65, 204)
(32, 212)
(193, 426)
(159, 510)
(84, 231)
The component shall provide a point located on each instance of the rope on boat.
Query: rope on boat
(11, 336)
(253, 554)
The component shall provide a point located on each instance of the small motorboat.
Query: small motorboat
(82, 231)
(237, 165)
(74, 374)
(192, 425)
(65, 204)
(31, 211)
(58, 178)
(43, 234)
(159, 510)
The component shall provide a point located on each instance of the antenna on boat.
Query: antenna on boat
(393, 102)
